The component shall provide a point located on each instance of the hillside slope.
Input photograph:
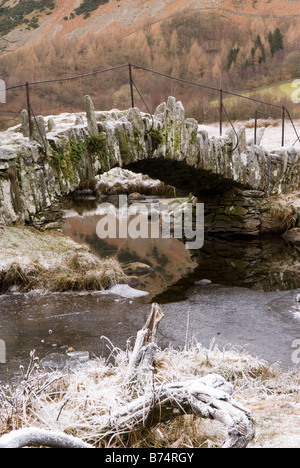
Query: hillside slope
(24, 21)
(229, 44)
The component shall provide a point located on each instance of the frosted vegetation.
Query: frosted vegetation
(120, 181)
(76, 402)
(56, 263)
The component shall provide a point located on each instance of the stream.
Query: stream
(237, 292)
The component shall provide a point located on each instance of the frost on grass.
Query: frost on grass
(76, 403)
(33, 260)
(120, 181)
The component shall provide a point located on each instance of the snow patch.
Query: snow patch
(123, 290)
(129, 182)
(272, 138)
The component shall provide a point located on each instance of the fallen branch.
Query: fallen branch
(207, 397)
(29, 437)
(148, 400)
(145, 348)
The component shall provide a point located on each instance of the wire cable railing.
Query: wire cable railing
(284, 112)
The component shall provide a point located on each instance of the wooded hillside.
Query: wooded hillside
(205, 47)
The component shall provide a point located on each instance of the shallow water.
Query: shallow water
(263, 323)
(250, 302)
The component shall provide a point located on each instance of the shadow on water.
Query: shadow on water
(239, 291)
(248, 298)
(262, 264)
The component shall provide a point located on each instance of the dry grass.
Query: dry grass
(82, 274)
(76, 402)
(262, 123)
(16, 276)
(33, 260)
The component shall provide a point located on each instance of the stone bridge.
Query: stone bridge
(246, 189)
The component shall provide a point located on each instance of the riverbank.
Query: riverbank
(76, 402)
(38, 260)
(31, 260)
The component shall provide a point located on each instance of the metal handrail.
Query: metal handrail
(283, 118)
(44, 140)
(69, 78)
(212, 88)
(292, 121)
(145, 104)
(133, 86)
(237, 137)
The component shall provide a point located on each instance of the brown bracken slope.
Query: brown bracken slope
(131, 16)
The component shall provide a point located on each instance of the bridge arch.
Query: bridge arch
(170, 145)
(236, 182)
(229, 207)
(185, 178)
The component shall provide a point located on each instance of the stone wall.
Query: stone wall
(31, 182)
(250, 212)
(237, 187)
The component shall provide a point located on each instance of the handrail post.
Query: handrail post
(235, 132)
(221, 112)
(28, 109)
(255, 127)
(131, 85)
(283, 126)
(292, 122)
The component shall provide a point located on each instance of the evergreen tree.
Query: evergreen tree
(232, 57)
(278, 40)
(259, 45)
(275, 41)
(252, 61)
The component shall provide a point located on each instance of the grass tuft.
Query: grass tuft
(33, 260)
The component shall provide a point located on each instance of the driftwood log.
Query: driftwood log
(145, 347)
(34, 437)
(207, 397)
(203, 397)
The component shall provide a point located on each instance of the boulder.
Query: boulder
(136, 197)
(79, 120)
(134, 116)
(137, 269)
(39, 129)
(51, 127)
(242, 139)
(293, 236)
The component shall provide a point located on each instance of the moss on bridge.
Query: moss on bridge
(166, 146)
